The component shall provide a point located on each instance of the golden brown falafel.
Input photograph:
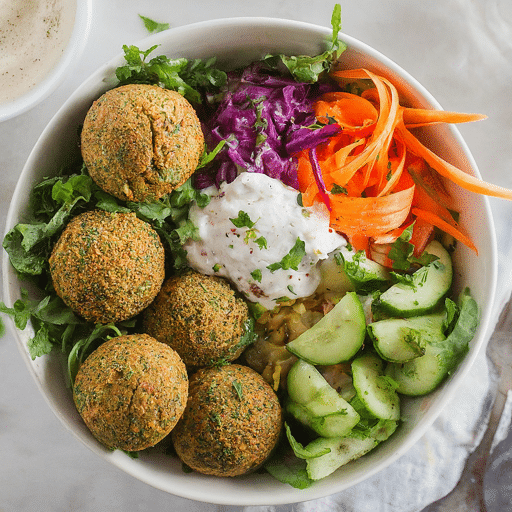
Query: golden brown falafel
(231, 424)
(107, 267)
(140, 142)
(131, 391)
(199, 316)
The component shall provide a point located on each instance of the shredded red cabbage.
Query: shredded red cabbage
(265, 119)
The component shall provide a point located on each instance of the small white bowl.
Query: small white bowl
(54, 76)
(238, 41)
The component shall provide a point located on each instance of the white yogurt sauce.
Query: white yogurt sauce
(33, 37)
(243, 254)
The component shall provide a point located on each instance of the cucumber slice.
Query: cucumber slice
(429, 286)
(373, 389)
(342, 451)
(419, 376)
(329, 425)
(333, 276)
(423, 374)
(399, 340)
(316, 404)
(325, 455)
(336, 337)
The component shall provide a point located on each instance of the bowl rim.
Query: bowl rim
(70, 57)
(286, 495)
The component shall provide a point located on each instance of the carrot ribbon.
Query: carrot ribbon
(374, 175)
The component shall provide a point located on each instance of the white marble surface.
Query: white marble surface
(460, 50)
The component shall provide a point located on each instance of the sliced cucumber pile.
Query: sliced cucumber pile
(418, 338)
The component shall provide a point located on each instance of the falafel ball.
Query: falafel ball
(140, 142)
(107, 267)
(131, 391)
(231, 424)
(199, 316)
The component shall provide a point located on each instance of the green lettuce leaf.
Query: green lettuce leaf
(57, 199)
(307, 69)
(463, 328)
(185, 76)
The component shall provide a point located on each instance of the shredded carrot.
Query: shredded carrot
(353, 113)
(423, 200)
(370, 216)
(359, 242)
(389, 237)
(382, 134)
(416, 117)
(454, 174)
(395, 167)
(444, 226)
(428, 180)
(375, 176)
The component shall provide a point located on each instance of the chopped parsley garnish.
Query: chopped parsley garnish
(208, 156)
(243, 220)
(402, 251)
(404, 279)
(262, 242)
(338, 189)
(261, 124)
(238, 388)
(292, 259)
(153, 26)
(290, 289)
(256, 275)
(250, 234)
(354, 268)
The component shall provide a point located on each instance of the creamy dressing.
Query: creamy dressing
(33, 37)
(243, 254)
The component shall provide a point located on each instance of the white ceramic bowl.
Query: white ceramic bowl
(237, 41)
(70, 56)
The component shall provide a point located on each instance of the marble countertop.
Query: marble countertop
(460, 51)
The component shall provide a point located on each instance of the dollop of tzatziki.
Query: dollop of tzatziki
(255, 233)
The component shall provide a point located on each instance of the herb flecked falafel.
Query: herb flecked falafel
(140, 142)
(199, 316)
(107, 267)
(231, 423)
(131, 391)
